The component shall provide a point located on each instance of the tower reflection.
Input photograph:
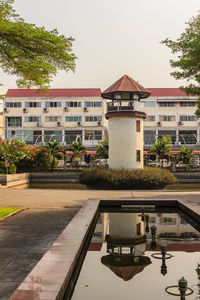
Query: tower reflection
(126, 245)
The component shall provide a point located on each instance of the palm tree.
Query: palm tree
(53, 149)
(102, 149)
(77, 148)
(162, 147)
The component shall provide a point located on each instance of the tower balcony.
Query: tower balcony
(125, 107)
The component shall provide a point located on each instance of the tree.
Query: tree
(187, 49)
(186, 157)
(31, 53)
(53, 151)
(11, 152)
(77, 148)
(162, 146)
(102, 149)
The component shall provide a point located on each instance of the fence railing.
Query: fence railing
(119, 108)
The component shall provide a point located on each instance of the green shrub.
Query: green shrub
(12, 169)
(2, 167)
(147, 178)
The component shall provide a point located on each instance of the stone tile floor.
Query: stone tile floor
(24, 239)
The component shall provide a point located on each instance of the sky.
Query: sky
(112, 38)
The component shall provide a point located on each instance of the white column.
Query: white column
(63, 137)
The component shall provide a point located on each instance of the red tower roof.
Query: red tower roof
(126, 84)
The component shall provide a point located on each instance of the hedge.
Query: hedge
(147, 178)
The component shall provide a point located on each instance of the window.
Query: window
(184, 104)
(188, 137)
(32, 119)
(14, 122)
(73, 104)
(138, 226)
(73, 119)
(138, 158)
(93, 135)
(73, 135)
(168, 234)
(167, 118)
(32, 104)
(137, 126)
(15, 133)
(172, 134)
(33, 137)
(187, 118)
(93, 119)
(53, 136)
(97, 234)
(53, 119)
(149, 104)
(13, 104)
(150, 119)
(149, 137)
(167, 104)
(169, 221)
(52, 104)
(152, 219)
(93, 104)
(189, 234)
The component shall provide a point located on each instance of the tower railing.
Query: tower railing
(119, 108)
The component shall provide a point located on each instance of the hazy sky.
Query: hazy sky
(112, 38)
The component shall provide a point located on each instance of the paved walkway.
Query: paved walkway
(25, 237)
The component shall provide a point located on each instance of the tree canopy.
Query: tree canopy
(31, 53)
(162, 147)
(187, 62)
(102, 149)
(186, 157)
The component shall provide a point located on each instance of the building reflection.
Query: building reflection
(126, 245)
(129, 237)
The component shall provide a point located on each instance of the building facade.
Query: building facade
(171, 112)
(1, 118)
(64, 115)
(79, 114)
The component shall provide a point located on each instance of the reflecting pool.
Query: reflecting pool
(138, 255)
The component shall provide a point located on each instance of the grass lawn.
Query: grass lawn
(5, 211)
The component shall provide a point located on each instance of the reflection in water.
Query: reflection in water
(126, 246)
(119, 257)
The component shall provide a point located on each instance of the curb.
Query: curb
(14, 213)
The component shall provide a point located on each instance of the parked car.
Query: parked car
(82, 164)
(100, 162)
(155, 163)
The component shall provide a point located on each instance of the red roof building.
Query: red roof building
(57, 93)
(167, 92)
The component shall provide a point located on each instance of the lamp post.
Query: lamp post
(182, 286)
(153, 229)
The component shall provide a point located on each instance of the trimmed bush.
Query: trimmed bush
(147, 178)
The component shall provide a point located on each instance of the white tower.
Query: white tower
(125, 123)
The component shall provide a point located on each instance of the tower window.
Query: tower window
(137, 126)
(138, 158)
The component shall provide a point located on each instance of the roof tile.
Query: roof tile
(20, 93)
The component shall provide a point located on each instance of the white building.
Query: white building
(64, 115)
(171, 112)
(68, 114)
(1, 118)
